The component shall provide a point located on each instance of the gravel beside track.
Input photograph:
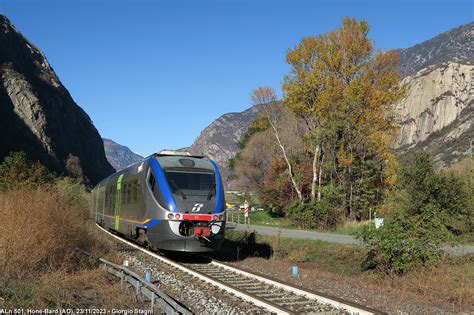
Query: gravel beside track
(294, 303)
(205, 286)
(198, 296)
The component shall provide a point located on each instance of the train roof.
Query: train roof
(177, 155)
(168, 161)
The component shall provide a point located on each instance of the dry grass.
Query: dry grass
(88, 288)
(451, 283)
(40, 230)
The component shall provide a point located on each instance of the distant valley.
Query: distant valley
(119, 156)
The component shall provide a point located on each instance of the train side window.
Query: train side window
(129, 194)
(139, 193)
(155, 189)
(134, 192)
(152, 181)
(125, 198)
(110, 199)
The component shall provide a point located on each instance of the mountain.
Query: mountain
(118, 155)
(39, 116)
(436, 115)
(219, 140)
(455, 45)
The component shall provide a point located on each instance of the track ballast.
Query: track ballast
(269, 294)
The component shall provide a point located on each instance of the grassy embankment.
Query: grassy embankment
(41, 228)
(266, 218)
(450, 282)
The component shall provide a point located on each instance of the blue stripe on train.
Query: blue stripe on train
(219, 189)
(152, 223)
(149, 224)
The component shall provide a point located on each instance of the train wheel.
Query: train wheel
(142, 238)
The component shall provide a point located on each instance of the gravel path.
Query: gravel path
(327, 237)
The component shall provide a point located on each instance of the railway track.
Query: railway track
(268, 294)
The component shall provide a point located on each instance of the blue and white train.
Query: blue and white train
(169, 202)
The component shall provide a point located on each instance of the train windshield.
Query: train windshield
(188, 183)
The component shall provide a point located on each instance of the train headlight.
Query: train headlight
(170, 216)
(221, 217)
(215, 228)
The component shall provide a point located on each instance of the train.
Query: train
(170, 201)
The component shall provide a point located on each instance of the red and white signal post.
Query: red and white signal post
(246, 212)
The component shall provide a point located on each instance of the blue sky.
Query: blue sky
(153, 74)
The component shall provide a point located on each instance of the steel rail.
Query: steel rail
(318, 296)
(201, 272)
(257, 301)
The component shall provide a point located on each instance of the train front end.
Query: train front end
(189, 190)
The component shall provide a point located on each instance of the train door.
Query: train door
(118, 202)
(100, 203)
(96, 203)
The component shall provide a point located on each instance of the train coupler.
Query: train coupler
(202, 231)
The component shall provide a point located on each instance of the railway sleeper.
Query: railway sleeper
(258, 292)
(202, 268)
(247, 288)
(262, 289)
(304, 304)
(214, 274)
(288, 299)
(272, 295)
(255, 289)
(240, 282)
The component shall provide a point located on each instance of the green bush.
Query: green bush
(428, 209)
(17, 171)
(400, 244)
(72, 193)
(318, 215)
(325, 214)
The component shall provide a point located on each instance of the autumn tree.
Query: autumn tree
(260, 166)
(74, 168)
(266, 97)
(344, 91)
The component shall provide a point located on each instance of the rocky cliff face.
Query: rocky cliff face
(219, 140)
(37, 113)
(438, 113)
(118, 155)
